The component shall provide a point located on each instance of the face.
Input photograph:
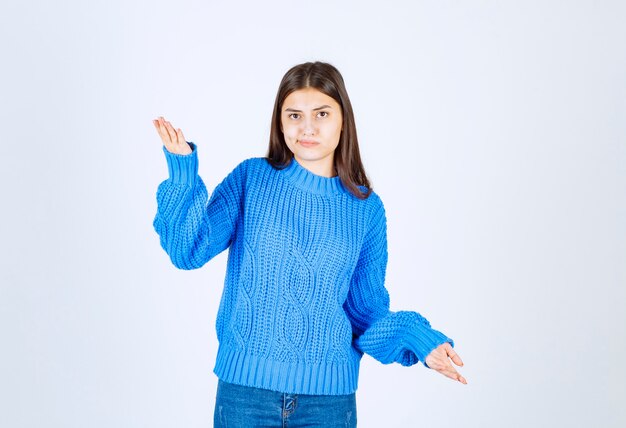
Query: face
(311, 123)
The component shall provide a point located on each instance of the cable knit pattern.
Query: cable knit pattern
(304, 293)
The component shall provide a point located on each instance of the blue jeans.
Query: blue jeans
(238, 406)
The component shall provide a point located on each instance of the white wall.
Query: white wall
(493, 131)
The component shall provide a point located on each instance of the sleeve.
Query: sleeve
(191, 230)
(403, 337)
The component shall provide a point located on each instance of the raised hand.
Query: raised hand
(439, 360)
(173, 139)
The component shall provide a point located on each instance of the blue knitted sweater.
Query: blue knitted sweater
(304, 294)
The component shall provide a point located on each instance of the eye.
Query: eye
(324, 113)
(293, 114)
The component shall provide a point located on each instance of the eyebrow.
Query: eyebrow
(315, 109)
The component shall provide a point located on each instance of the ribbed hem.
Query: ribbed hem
(306, 180)
(421, 339)
(291, 377)
(183, 169)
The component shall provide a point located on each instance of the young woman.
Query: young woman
(304, 294)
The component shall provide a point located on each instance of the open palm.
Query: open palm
(173, 139)
(439, 360)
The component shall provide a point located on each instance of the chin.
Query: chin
(310, 156)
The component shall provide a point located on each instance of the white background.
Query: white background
(494, 131)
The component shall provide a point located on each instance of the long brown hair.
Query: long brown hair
(347, 159)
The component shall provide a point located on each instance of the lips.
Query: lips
(308, 143)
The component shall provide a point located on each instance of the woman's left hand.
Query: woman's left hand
(439, 360)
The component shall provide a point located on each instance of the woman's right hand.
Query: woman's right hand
(173, 139)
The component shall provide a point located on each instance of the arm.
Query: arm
(191, 230)
(388, 336)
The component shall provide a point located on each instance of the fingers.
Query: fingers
(164, 127)
(161, 127)
(173, 139)
(439, 361)
(169, 130)
(450, 372)
(455, 357)
(180, 137)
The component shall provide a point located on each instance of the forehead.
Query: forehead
(308, 98)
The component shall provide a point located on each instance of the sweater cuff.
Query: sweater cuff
(183, 169)
(421, 339)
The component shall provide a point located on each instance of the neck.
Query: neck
(322, 167)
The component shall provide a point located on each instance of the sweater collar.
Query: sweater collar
(306, 180)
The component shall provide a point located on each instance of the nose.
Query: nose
(308, 127)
